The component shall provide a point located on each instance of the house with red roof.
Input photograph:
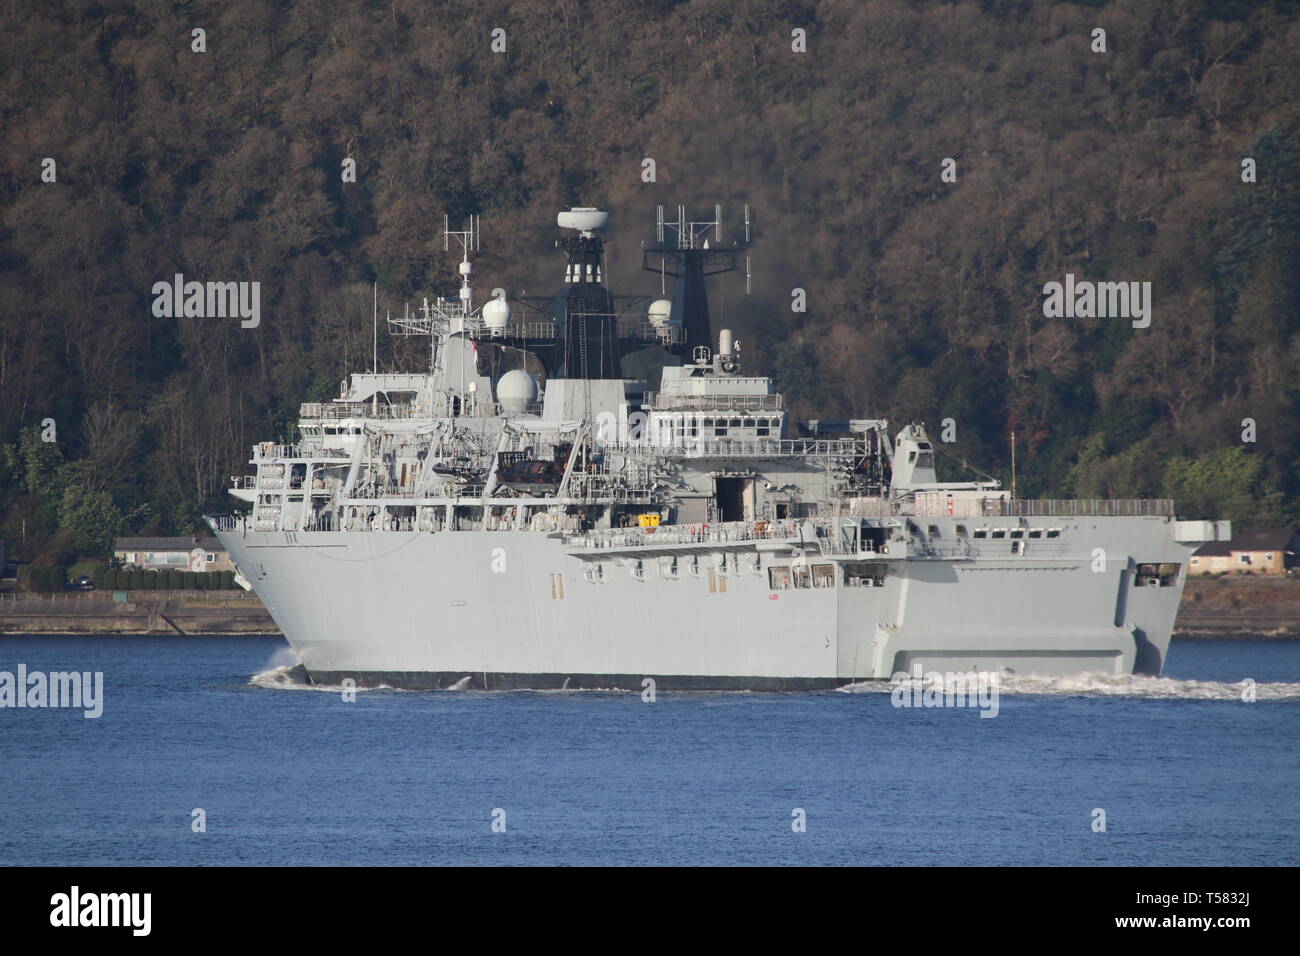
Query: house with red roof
(1249, 551)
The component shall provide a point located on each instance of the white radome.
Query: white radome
(585, 219)
(516, 390)
(661, 311)
(496, 314)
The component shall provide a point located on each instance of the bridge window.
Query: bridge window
(1000, 533)
(1036, 533)
(934, 531)
(1157, 575)
(1017, 533)
(823, 575)
(778, 578)
(981, 532)
(1053, 532)
(802, 578)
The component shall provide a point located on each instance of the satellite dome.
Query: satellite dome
(661, 311)
(516, 390)
(496, 314)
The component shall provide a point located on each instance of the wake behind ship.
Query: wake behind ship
(587, 490)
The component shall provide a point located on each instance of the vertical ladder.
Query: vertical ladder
(586, 378)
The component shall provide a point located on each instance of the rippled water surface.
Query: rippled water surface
(1185, 770)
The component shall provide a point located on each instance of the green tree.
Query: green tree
(91, 517)
(1225, 483)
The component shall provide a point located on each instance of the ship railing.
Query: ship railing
(724, 533)
(994, 507)
(640, 326)
(533, 329)
(661, 401)
(1090, 507)
(333, 411)
(368, 491)
(226, 522)
(945, 552)
(497, 410)
(746, 447)
(271, 450)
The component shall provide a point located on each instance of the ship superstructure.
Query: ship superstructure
(585, 490)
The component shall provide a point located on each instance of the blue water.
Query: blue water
(298, 776)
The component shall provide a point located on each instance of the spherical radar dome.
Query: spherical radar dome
(516, 390)
(496, 314)
(661, 312)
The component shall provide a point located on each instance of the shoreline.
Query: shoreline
(1234, 608)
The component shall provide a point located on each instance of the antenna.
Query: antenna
(469, 242)
(374, 324)
(1013, 466)
(691, 234)
(693, 253)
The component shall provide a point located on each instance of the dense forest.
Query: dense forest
(924, 292)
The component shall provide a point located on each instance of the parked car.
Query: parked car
(85, 583)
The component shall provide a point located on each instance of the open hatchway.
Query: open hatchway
(734, 498)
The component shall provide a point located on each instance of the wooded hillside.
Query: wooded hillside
(924, 297)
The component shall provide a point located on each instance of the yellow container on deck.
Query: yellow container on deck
(647, 521)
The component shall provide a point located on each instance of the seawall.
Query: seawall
(135, 612)
(1230, 606)
(1240, 606)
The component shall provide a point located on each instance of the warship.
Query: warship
(586, 490)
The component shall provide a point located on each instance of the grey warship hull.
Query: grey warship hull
(686, 530)
(428, 610)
